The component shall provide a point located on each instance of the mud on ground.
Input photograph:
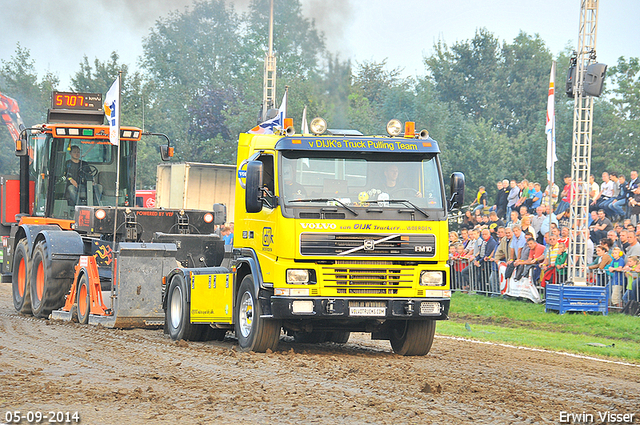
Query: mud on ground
(140, 376)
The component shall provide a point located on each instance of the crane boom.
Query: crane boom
(10, 113)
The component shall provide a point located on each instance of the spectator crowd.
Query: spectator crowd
(527, 228)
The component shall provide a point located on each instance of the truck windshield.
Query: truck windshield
(70, 172)
(360, 179)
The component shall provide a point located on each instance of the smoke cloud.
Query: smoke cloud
(59, 33)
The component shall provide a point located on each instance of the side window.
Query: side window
(39, 171)
(268, 177)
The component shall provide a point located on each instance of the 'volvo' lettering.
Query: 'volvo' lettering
(325, 226)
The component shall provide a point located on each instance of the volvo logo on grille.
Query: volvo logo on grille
(368, 245)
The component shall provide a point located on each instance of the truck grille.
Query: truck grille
(367, 245)
(367, 280)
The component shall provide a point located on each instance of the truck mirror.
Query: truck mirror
(594, 79)
(21, 144)
(166, 152)
(457, 191)
(253, 192)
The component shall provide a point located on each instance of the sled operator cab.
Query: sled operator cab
(72, 161)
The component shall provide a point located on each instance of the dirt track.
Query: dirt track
(140, 376)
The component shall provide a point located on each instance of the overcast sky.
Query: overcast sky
(59, 32)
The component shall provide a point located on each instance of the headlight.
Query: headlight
(394, 127)
(297, 277)
(428, 278)
(318, 126)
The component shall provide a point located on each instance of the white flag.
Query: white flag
(305, 126)
(112, 111)
(551, 120)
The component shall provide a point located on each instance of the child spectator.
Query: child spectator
(631, 273)
(460, 262)
(561, 263)
(550, 257)
(616, 275)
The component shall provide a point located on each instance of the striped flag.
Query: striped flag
(277, 121)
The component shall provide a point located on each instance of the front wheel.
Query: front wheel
(20, 278)
(413, 337)
(254, 333)
(47, 289)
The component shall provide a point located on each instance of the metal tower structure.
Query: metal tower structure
(581, 147)
(268, 98)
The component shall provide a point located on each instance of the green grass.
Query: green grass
(527, 324)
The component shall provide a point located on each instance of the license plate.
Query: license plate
(367, 311)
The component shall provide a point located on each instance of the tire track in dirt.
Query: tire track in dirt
(140, 376)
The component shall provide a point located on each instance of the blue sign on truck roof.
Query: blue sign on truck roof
(359, 144)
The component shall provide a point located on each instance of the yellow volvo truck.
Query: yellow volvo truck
(335, 233)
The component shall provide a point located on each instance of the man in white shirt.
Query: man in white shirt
(606, 191)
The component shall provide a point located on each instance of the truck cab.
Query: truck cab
(340, 233)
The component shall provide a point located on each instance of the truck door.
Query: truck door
(263, 223)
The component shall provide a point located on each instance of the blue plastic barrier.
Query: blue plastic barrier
(563, 298)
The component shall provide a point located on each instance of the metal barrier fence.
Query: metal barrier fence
(489, 278)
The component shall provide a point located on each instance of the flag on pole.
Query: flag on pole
(277, 121)
(112, 111)
(305, 126)
(551, 122)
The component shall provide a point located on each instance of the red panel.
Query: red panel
(10, 198)
(148, 198)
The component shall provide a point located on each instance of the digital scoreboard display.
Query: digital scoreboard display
(78, 101)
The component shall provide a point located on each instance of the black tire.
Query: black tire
(177, 314)
(314, 337)
(47, 292)
(20, 278)
(212, 334)
(413, 337)
(339, 337)
(83, 299)
(254, 333)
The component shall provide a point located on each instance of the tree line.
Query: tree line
(200, 82)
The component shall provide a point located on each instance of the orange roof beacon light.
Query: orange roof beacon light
(288, 127)
(409, 129)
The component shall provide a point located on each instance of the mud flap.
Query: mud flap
(138, 287)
